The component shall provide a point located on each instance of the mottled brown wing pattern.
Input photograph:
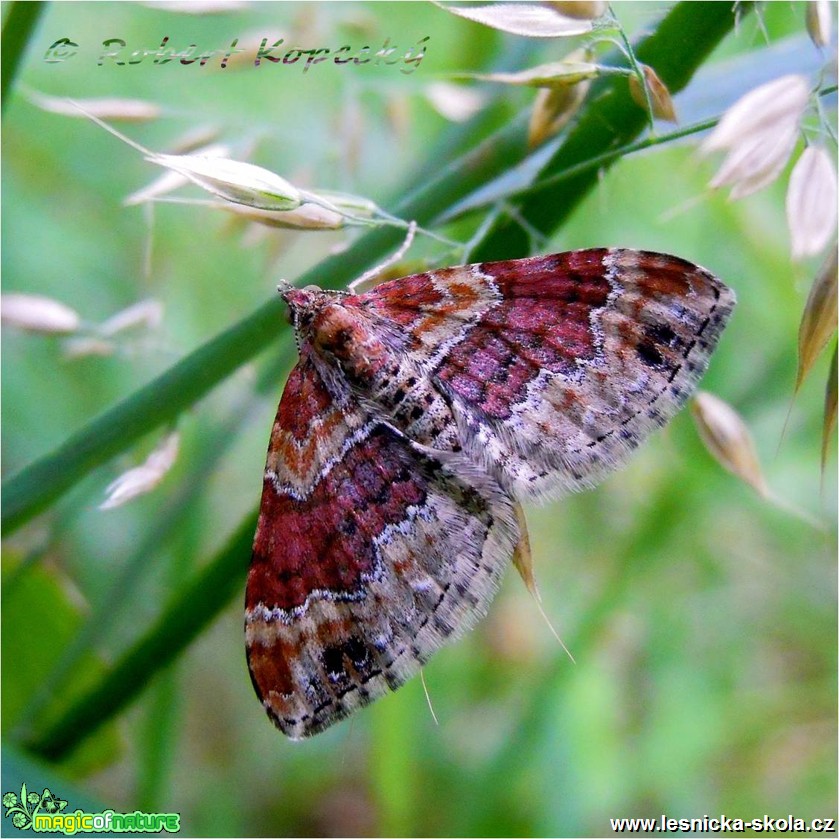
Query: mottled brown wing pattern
(419, 415)
(557, 367)
(354, 580)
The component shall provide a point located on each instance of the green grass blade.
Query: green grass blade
(192, 610)
(17, 30)
(676, 49)
(40, 483)
(161, 401)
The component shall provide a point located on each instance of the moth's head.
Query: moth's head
(303, 305)
(332, 324)
(319, 317)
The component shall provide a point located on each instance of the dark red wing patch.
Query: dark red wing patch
(356, 578)
(324, 542)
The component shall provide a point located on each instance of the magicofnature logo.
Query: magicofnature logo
(30, 804)
(46, 812)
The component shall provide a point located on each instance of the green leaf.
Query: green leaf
(19, 26)
(40, 616)
(191, 611)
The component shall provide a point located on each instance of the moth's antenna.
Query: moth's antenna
(392, 260)
(428, 698)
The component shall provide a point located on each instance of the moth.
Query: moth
(418, 416)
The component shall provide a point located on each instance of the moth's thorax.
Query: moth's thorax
(336, 329)
(345, 334)
(374, 359)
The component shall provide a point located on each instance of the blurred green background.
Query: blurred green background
(702, 618)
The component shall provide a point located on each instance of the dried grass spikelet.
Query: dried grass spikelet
(305, 217)
(579, 9)
(194, 139)
(556, 74)
(116, 109)
(759, 131)
(36, 313)
(728, 439)
(172, 180)
(552, 111)
(234, 180)
(522, 556)
(147, 314)
(533, 20)
(84, 346)
(344, 202)
(819, 20)
(762, 109)
(455, 102)
(198, 7)
(811, 202)
(818, 322)
(321, 210)
(144, 478)
(660, 99)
